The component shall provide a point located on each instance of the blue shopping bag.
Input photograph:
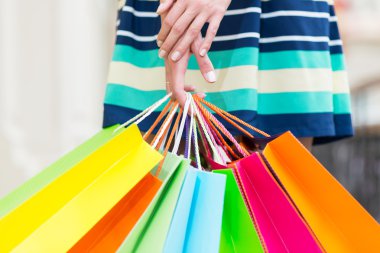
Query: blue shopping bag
(197, 219)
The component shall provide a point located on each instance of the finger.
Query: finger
(169, 20)
(204, 63)
(191, 34)
(164, 6)
(178, 78)
(168, 77)
(210, 35)
(189, 88)
(175, 34)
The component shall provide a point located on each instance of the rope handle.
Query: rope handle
(142, 115)
(221, 128)
(231, 117)
(170, 140)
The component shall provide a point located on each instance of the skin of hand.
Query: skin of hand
(175, 71)
(183, 23)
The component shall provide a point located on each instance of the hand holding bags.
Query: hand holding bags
(54, 219)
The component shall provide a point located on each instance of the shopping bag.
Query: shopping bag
(109, 233)
(340, 223)
(149, 234)
(197, 219)
(60, 214)
(238, 234)
(278, 221)
(38, 182)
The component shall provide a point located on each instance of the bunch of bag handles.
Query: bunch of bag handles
(194, 118)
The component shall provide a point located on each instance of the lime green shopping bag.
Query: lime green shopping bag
(57, 216)
(238, 231)
(38, 182)
(150, 232)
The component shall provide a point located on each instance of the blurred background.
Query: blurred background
(54, 59)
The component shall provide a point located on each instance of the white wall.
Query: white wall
(53, 67)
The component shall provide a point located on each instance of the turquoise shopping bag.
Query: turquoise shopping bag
(197, 219)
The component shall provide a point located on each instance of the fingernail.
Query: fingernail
(160, 7)
(159, 43)
(175, 56)
(203, 52)
(161, 53)
(211, 77)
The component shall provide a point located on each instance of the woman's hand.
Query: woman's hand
(183, 23)
(175, 71)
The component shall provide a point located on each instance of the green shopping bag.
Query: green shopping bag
(149, 233)
(238, 231)
(46, 176)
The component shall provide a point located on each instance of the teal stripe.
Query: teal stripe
(220, 59)
(338, 62)
(238, 57)
(242, 99)
(303, 102)
(139, 100)
(342, 103)
(294, 59)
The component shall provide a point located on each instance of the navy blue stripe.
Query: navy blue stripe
(325, 127)
(294, 45)
(250, 22)
(336, 50)
(152, 6)
(138, 5)
(299, 5)
(334, 31)
(216, 46)
(293, 25)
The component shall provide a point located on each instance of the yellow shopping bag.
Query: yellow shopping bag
(55, 218)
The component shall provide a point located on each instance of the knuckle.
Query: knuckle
(213, 30)
(193, 31)
(167, 22)
(177, 29)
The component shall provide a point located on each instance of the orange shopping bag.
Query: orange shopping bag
(108, 234)
(337, 219)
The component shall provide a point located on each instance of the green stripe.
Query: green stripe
(303, 102)
(294, 59)
(338, 62)
(242, 99)
(342, 103)
(239, 57)
(139, 100)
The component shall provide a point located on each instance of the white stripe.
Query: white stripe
(147, 14)
(143, 14)
(237, 36)
(243, 11)
(296, 14)
(136, 37)
(217, 38)
(302, 80)
(335, 43)
(333, 19)
(241, 77)
(340, 82)
(295, 38)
